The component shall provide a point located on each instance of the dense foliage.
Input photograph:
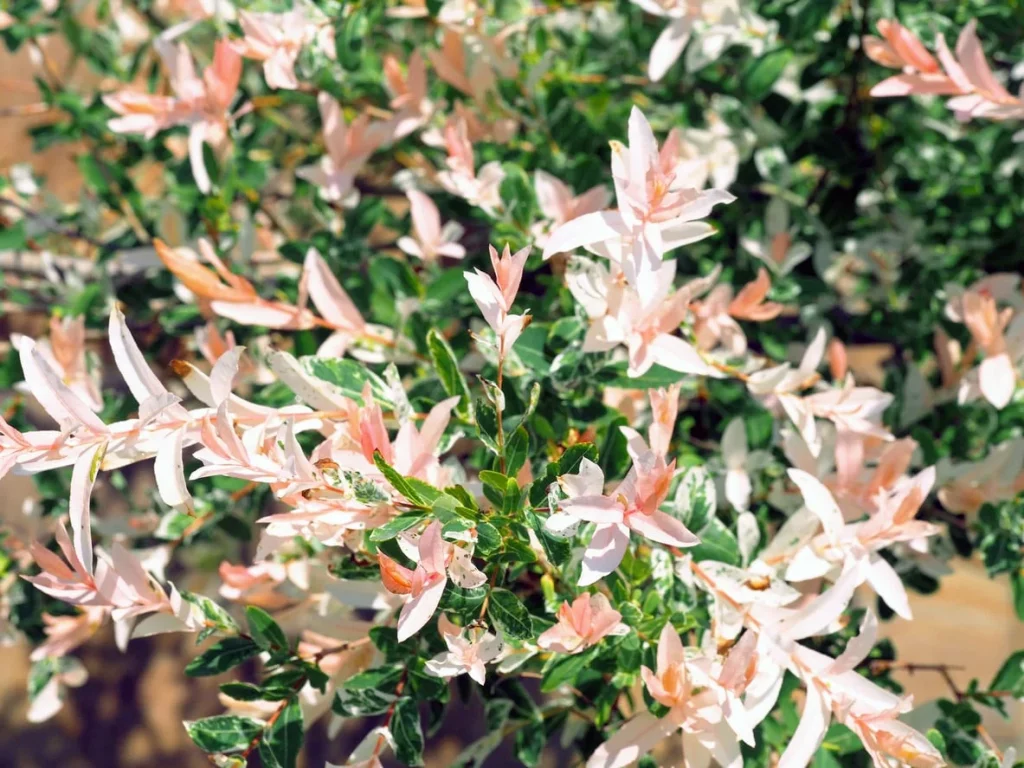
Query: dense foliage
(390, 301)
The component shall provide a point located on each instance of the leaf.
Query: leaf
(173, 525)
(1010, 676)
(242, 691)
(564, 670)
(369, 693)
(512, 497)
(1017, 589)
(282, 741)
(616, 376)
(442, 292)
(12, 238)
(569, 462)
(395, 526)
(463, 602)
(348, 377)
(487, 425)
(557, 550)
(447, 366)
(514, 422)
(509, 614)
(488, 539)
(405, 728)
(529, 348)
(517, 449)
(223, 733)
(264, 630)
(398, 482)
(716, 543)
(695, 499)
(213, 613)
(762, 73)
(222, 656)
(841, 740)
(530, 743)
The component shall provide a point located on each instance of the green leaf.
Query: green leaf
(487, 425)
(447, 366)
(841, 740)
(242, 691)
(517, 448)
(564, 670)
(558, 551)
(369, 693)
(173, 525)
(529, 349)
(264, 630)
(348, 377)
(12, 238)
(488, 539)
(569, 461)
(695, 499)
(716, 543)
(405, 728)
(282, 741)
(213, 613)
(1017, 589)
(398, 482)
(222, 656)
(223, 733)
(395, 526)
(509, 614)
(762, 73)
(92, 173)
(1010, 676)
(511, 497)
(656, 377)
(463, 602)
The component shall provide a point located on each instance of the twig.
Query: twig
(321, 654)
(381, 741)
(959, 695)
(72, 233)
(296, 686)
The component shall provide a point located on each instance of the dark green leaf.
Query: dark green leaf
(405, 728)
(282, 741)
(447, 366)
(398, 482)
(509, 614)
(242, 691)
(762, 73)
(1010, 677)
(564, 670)
(223, 733)
(222, 656)
(264, 630)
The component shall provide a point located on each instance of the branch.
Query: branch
(51, 225)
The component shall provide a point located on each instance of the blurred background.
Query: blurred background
(129, 714)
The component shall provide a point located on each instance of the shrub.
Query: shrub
(627, 473)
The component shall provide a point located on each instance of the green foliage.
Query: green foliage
(223, 733)
(221, 656)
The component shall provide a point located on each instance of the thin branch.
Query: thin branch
(944, 671)
(51, 225)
